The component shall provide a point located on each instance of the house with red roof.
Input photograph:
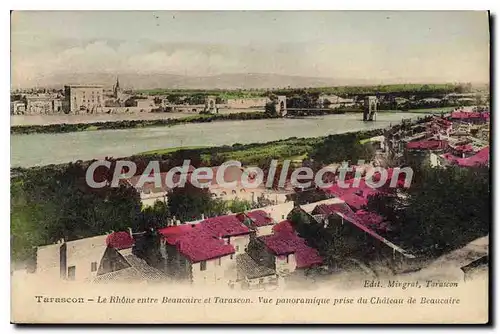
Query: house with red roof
(205, 252)
(99, 259)
(193, 253)
(230, 229)
(284, 251)
(470, 116)
(425, 151)
(122, 241)
(481, 158)
(367, 225)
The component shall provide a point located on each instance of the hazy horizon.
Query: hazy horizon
(359, 47)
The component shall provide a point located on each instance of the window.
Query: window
(287, 259)
(93, 266)
(237, 248)
(261, 281)
(282, 216)
(219, 261)
(232, 256)
(71, 272)
(203, 265)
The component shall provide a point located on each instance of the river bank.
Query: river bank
(135, 123)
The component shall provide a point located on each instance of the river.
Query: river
(43, 149)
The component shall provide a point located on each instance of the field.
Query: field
(294, 149)
(404, 89)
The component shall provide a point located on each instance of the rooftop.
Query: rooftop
(260, 218)
(427, 145)
(225, 226)
(195, 242)
(470, 115)
(284, 226)
(252, 269)
(84, 86)
(482, 157)
(202, 241)
(286, 242)
(120, 240)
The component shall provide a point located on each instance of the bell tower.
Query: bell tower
(117, 91)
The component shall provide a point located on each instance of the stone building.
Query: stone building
(17, 108)
(38, 104)
(83, 99)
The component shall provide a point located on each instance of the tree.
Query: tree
(428, 219)
(147, 247)
(343, 147)
(239, 205)
(189, 202)
(49, 205)
(153, 217)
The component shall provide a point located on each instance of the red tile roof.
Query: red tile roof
(195, 242)
(480, 158)
(284, 226)
(328, 209)
(464, 148)
(370, 219)
(469, 115)
(201, 247)
(427, 145)
(202, 241)
(173, 233)
(260, 218)
(286, 242)
(225, 226)
(355, 201)
(120, 240)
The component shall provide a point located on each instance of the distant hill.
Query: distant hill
(223, 81)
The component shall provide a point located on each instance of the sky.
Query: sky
(387, 46)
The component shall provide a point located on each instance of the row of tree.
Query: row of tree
(127, 124)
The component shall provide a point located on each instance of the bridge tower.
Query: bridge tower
(370, 110)
(210, 105)
(281, 105)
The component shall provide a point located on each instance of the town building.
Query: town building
(203, 253)
(283, 251)
(150, 192)
(252, 275)
(17, 108)
(39, 104)
(83, 99)
(246, 103)
(334, 101)
(99, 259)
(369, 228)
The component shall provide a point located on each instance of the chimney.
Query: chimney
(63, 260)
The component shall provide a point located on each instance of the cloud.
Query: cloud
(37, 57)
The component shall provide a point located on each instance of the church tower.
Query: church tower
(117, 91)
